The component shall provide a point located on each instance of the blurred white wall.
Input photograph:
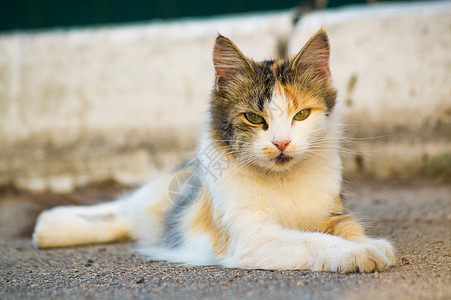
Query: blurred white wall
(121, 103)
(392, 66)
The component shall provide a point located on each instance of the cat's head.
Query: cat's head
(272, 114)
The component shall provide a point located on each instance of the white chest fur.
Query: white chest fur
(299, 199)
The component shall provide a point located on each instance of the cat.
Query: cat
(264, 189)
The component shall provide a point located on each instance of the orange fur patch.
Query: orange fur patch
(290, 219)
(344, 226)
(338, 206)
(297, 100)
(204, 221)
(159, 209)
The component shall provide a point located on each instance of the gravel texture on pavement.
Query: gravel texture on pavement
(415, 216)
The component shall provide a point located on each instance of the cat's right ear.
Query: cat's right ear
(228, 60)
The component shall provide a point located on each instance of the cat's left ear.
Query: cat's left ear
(314, 56)
(228, 59)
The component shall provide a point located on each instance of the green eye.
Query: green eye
(254, 119)
(302, 115)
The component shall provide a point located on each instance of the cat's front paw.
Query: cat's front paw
(366, 257)
(387, 248)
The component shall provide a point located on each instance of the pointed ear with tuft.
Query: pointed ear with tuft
(228, 60)
(314, 56)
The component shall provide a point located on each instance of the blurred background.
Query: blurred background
(116, 91)
(40, 14)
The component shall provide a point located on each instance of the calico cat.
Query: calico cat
(264, 189)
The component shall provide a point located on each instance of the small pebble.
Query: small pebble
(405, 261)
(140, 280)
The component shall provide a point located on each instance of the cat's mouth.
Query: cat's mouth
(282, 159)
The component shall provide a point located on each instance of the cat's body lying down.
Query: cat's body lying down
(264, 190)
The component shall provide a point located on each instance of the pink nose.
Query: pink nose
(281, 145)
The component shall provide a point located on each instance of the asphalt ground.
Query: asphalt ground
(415, 215)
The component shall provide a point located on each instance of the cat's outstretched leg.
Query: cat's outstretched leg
(77, 225)
(137, 215)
